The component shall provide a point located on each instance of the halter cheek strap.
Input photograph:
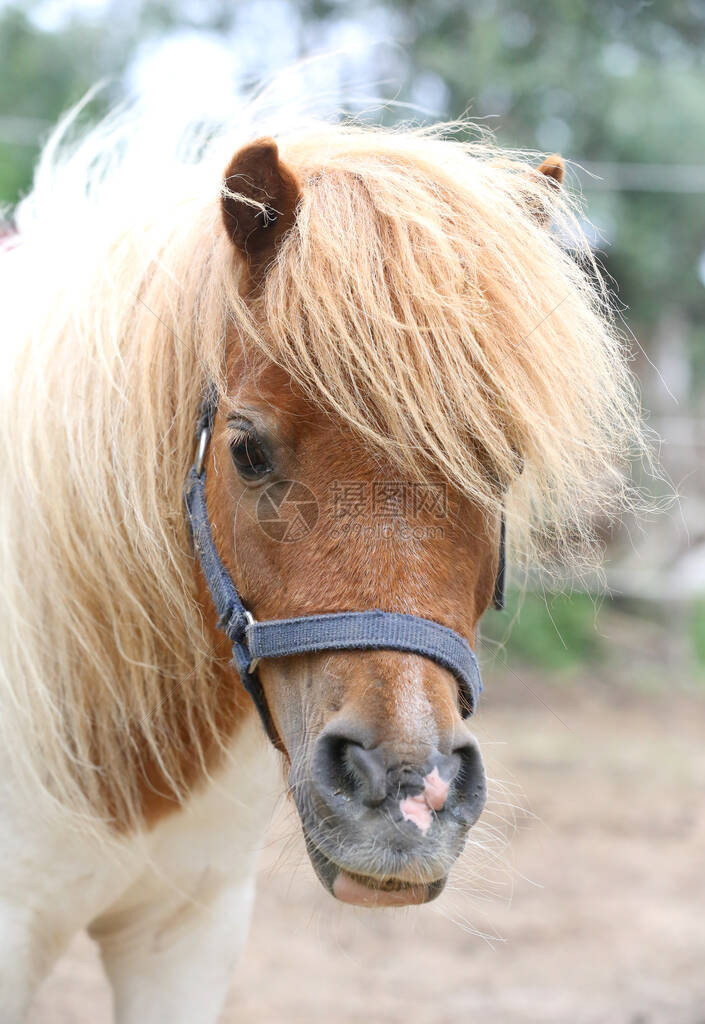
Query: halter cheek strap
(342, 631)
(498, 596)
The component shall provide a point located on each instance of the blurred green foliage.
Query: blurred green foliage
(556, 632)
(697, 632)
(615, 83)
(41, 75)
(609, 82)
(639, 643)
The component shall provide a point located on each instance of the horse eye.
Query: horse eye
(250, 459)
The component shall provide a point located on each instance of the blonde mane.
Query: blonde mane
(420, 297)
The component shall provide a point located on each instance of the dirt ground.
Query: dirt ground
(581, 901)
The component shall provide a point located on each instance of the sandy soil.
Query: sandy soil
(594, 913)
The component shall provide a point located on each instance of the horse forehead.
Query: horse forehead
(282, 406)
(322, 441)
(258, 381)
(362, 554)
(350, 478)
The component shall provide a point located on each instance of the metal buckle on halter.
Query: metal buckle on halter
(202, 448)
(251, 621)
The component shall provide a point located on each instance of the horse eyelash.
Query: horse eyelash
(240, 430)
(240, 434)
(236, 422)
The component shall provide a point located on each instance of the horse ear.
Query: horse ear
(550, 174)
(259, 200)
(554, 169)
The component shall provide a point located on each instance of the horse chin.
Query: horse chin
(367, 890)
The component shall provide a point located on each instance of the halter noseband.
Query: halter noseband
(341, 631)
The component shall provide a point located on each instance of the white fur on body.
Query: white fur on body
(169, 908)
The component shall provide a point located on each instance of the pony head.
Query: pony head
(404, 351)
(331, 491)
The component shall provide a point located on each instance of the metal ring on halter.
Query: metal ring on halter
(202, 448)
(251, 621)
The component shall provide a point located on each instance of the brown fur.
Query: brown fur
(200, 748)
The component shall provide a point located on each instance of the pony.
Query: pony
(410, 345)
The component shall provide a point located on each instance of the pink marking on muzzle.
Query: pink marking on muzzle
(415, 808)
(436, 790)
(418, 808)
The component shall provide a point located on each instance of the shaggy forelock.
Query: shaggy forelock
(423, 297)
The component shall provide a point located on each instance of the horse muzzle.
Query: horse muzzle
(384, 829)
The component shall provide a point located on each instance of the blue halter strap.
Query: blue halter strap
(341, 631)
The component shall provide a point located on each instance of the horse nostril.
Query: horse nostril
(470, 783)
(344, 766)
(369, 771)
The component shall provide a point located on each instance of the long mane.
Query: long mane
(420, 297)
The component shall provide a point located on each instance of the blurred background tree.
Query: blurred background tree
(616, 87)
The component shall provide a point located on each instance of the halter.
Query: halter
(341, 631)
